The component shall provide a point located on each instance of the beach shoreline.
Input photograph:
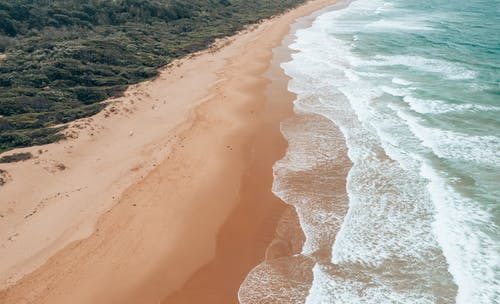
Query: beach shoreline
(282, 235)
(211, 148)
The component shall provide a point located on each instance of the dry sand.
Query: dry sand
(168, 187)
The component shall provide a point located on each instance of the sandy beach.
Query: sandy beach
(165, 196)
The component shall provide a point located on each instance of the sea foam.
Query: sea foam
(418, 220)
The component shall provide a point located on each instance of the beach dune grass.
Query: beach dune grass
(15, 157)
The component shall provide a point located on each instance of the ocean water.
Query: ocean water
(410, 90)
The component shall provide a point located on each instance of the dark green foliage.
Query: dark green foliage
(66, 56)
(15, 158)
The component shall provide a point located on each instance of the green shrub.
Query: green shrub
(16, 157)
(66, 56)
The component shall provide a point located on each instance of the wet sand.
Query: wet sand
(179, 180)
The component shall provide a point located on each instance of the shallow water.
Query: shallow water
(410, 90)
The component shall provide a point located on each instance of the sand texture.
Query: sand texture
(168, 187)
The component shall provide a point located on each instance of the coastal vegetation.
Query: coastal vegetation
(63, 58)
(15, 157)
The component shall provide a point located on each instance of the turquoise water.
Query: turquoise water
(414, 87)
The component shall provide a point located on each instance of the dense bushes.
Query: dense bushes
(13, 158)
(66, 56)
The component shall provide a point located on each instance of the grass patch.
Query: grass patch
(16, 157)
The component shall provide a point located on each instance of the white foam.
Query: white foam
(386, 250)
(465, 233)
(455, 145)
(398, 92)
(281, 280)
(447, 69)
(401, 81)
(333, 289)
(383, 222)
(407, 23)
(432, 106)
(345, 21)
(359, 243)
(314, 146)
(371, 74)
